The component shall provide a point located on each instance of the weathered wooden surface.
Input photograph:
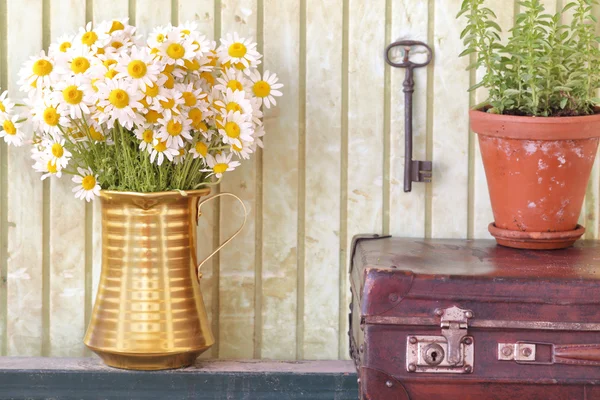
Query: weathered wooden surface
(79, 378)
(332, 167)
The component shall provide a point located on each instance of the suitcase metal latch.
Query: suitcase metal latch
(452, 352)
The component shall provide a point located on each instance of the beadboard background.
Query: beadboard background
(332, 167)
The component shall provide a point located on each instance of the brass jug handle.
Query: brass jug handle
(232, 236)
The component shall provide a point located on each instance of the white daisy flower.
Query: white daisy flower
(92, 39)
(235, 50)
(190, 95)
(171, 105)
(244, 151)
(87, 185)
(180, 157)
(160, 150)
(11, 131)
(119, 102)
(157, 37)
(69, 95)
(45, 117)
(57, 153)
(145, 134)
(114, 26)
(259, 132)
(153, 94)
(236, 129)
(199, 149)
(37, 73)
(174, 131)
(44, 165)
(59, 48)
(97, 133)
(236, 102)
(174, 50)
(201, 44)
(220, 164)
(6, 105)
(139, 66)
(233, 79)
(78, 62)
(265, 88)
(199, 115)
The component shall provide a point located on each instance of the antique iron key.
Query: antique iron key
(414, 170)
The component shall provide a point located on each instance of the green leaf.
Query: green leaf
(511, 92)
(568, 7)
(476, 86)
(563, 103)
(467, 52)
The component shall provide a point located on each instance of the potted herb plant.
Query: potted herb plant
(147, 125)
(538, 130)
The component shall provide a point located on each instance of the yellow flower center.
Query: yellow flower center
(160, 38)
(42, 67)
(50, 116)
(175, 50)
(79, 65)
(168, 104)
(64, 46)
(208, 77)
(72, 95)
(160, 146)
(190, 99)
(137, 69)
(96, 135)
(193, 65)
(232, 130)
(261, 89)
(201, 148)
(185, 32)
(169, 68)
(93, 84)
(170, 82)
(111, 73)
(220, 168)
(51, 167)
(237, 50)
(116, 26)
(195, 115)
(153, 116)
(2, 108)
(9, 127)
(235, 85)
(239, 66)
(109, 62)
(89, 182)
(151, 91)
(236, 148)
(174, 128)
(100, 51)
(89, 38)
(118, 98)
(57, 150)
(233, 106)
(148, 136)
(117, 45)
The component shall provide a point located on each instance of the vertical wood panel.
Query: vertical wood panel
(322, 237)
(450, 126)
(102, 11)
(280, 195)
(67, 224)
(3, 189)
(365, 125)
(203, 14)
(407, 210)
(236, 278)
(482, 209)
(25, 196)
(151, 13)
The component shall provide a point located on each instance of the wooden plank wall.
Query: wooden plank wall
(332, 167)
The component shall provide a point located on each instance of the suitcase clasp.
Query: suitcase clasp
(452, 352)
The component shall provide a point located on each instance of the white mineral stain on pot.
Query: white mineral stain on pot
(540, 180)
(530, 147)
(561, 159)
(542, 165)
(531, 204)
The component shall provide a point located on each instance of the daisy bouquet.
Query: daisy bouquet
(119, 112)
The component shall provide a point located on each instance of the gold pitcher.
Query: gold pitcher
(149, 313)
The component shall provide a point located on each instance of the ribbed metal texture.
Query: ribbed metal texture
(149, 309)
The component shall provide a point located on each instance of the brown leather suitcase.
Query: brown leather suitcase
(467, 319)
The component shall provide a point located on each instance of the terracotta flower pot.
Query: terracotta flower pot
(537, 170)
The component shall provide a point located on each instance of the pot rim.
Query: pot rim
(536, 128)
(155, 195)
